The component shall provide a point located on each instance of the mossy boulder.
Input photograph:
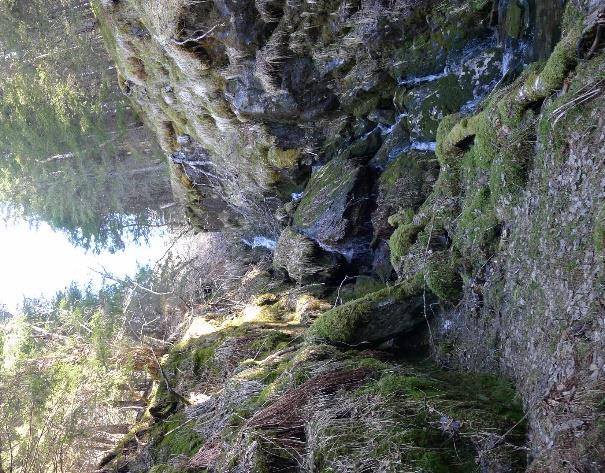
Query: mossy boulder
(403, 238)
(334, 205)
(363, 286)
(374, 318)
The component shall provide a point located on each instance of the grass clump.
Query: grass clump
(283, 158)
(418, 418)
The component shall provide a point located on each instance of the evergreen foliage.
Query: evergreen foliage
(70, 147)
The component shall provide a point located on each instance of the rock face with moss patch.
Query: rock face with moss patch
(404, 185)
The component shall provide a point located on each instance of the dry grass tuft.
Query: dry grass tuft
(288, 412)
(269, 60)
(162, 17)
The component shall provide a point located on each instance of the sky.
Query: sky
(37, 261)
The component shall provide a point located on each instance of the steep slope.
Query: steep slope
(408, 160)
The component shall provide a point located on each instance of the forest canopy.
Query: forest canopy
(70, 145)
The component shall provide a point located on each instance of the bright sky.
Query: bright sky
(39, 261)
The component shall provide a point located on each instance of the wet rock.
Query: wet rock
(335, 205)
(547, 29)
(427, 104)
(364, 147)
(366, 91)
(381, 264)
(430, 52)
(480, 74)
(383, 117)
(461, 86)
(396, 140)
(303, 260)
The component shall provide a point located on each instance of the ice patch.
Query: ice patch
(261, 242)
(423, 146)
(425, 79)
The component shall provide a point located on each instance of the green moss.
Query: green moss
(270, 342)
(341, 323)
(202, 356)
(476, 397)
(485, 146)
(538, 85)
(443, 278)
(509, 170)
(402, 217)
(175, 436)
(443, 149)
(560, 62)
(283, 158)
(403, 238)
(573, 17)
(425, 402)
(514, 19)
(164, 468)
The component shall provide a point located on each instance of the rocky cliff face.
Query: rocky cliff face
(416, 148)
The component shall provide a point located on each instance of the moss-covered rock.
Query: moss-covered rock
(427, 104)
(331, 209)
(403, 238)
(373, 318)
(363, 285)
(443, 277)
